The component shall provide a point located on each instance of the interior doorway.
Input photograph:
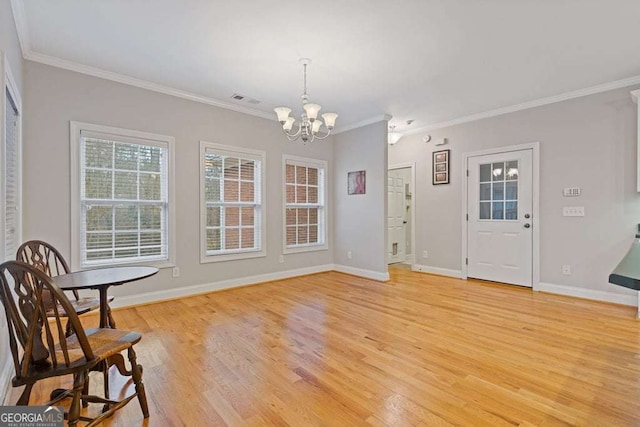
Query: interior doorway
(400, 214)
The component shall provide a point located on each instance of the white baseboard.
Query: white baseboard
(5, 379)
(437, 270)
(605, 296)
(369, 274)
(167, 294)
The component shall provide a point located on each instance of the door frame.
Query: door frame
(412, 188)
(535, 181)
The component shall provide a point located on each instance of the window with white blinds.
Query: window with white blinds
(124, 198)
(304, 204)
(12, 221)
(232, 207)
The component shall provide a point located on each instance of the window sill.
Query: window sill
(305, 248)
(205, 259)
(157, 264)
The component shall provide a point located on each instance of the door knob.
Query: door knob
(527, 225)
(527, 216)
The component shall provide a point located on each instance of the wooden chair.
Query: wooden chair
(40, 349)
(48, 259)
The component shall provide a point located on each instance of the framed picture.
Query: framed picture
(441, 167)
(357, 182)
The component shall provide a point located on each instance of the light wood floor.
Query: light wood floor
(333, 349)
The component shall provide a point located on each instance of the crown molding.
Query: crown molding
(20, 19)
(19, 16)
(365, 122)
(532, 104)
(144, 84)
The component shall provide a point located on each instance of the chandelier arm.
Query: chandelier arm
(317, 135)
(293, 136)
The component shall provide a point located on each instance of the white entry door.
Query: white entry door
(395, 218)
(500, 222)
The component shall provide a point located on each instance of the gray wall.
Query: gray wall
(9, 46)
(360, 219)
(9, 43)
(55, 96)
(588, 142)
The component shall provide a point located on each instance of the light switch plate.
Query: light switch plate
(573, 211)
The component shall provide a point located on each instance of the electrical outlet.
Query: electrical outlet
(566, 270)
(175, 272)
(349, 255)
(425, 254)
(281, 259)
(573, 211)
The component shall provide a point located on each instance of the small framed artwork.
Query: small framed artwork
(357, 182)
(441, 167)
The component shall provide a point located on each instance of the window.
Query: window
(499, 191)
(232, 208)
(122, 211)
(12, 182)
(305, 208)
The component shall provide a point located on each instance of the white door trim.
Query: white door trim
(412, 188)
(535, 147)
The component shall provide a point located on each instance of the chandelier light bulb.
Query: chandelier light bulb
(315, 127)
(393, 137)
(312, 111)
(283, 113)
(330, 120)
(288, 124)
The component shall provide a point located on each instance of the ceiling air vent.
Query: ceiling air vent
(242, 98)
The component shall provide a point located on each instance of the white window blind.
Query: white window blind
(11, 180)
(232, 205)
(124, 199)
(305, 214)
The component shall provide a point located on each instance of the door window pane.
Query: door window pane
(498, 195)
(511, 190)
(498, 191)
(485, 210)
(485, 191)
(498, 171)
(511, 210)
(497, 211)
(485, 173)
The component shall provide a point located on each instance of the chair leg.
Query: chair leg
(112, 323)
(105, 375)
(74, 410)
(136, 372)
(69, 330)
(85, 391)
(24, 397)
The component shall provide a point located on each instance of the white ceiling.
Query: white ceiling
(428, 60)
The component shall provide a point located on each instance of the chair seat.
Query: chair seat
(81, 306)
(104, 342)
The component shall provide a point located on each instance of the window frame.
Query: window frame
(9, 85)
(323, 194)
(127, 136)
(235, 254)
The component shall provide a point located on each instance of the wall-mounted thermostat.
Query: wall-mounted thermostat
(571, 192)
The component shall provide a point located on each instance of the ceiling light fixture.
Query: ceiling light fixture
(393, 137)
(309, 126)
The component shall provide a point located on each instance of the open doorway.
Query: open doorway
(400, 215)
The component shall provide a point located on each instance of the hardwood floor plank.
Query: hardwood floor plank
(334, 349)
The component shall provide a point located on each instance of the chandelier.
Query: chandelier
(309, 125)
